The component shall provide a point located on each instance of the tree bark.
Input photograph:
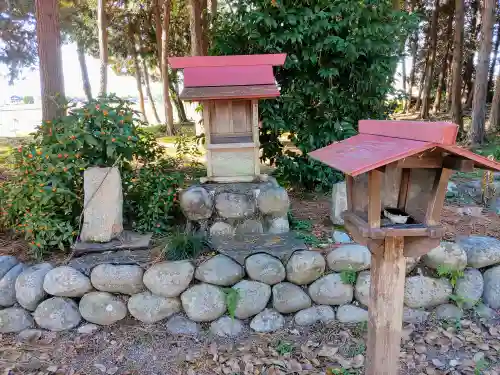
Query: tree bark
(414, 50)
(204, 27)
(477, 134)
(138, 78)
(103, 46)
(148, 91)
(469, 64)
(449, 81)
(421, 83)
(83, 68)
(458, 45)
(49, 54)
(158, 30)
(494, 124)
(195, 27)
(179, 105)
(213, 11)
(444, 67)
(169, 113)
(491, 74)
(429, 68)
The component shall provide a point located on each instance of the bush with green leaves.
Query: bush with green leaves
(340, 65)
(43, 197)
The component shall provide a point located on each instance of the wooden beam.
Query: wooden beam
(404, 187)
(458, 164)
(433, 160)
(418, 246)
(374, 198)
(349, 184)
(437, 195)
(208, 129)
(386, 308)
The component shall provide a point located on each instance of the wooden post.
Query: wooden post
(374, 198)
(386, 308)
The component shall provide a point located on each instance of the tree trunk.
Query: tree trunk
(444, 67)
(138, 78)
(169, 113)
(421, 83)
(148, 91)
(414, 50)
(494, 124)
(213, 11)
(477, 134)
(205, 31)
(195, 27)
(449, 82)
(83, 68)
(429, 68)
(491, 74)
(458, 45)
(181, 112)
(471, 46)
(158, 29)
(49, 54)
(103, 46)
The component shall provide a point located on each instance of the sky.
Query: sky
(29, 85)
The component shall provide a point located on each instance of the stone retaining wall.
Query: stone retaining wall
(310, 288)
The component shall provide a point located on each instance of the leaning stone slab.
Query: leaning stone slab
(127, 240)
(482, 251)
(281, 246)
(103, 202)
(7, 285)
(29, 286)
(339, 202)
(14, 319)
(86, 263)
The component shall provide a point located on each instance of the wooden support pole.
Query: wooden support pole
(437, 196)
(386, 308)
(374, 198)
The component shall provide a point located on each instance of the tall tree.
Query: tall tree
(458, 45)
(477, 133)
(429, 68)
(49, 54)
(471, 48)
(449, 81)
(413, 52)
(169, 113)
(103, 46)
(425, 51)
(441, 85)
(158, 29)
(83, 68)
(495, 108)
(213, 11)
(137, 70)
(195, 27)
(491, 73)
(148, 91)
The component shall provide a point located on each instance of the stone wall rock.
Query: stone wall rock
(362, 288)
(265, 268)
(304, 267)
(279, 225)
(150, 308)
(57, 314)
(448, 312)
(102, 308)
(447, 254)
(125, 279)
(491, 294)
(253, 297)
(6, 263)
(65, 281)
(289, 298)
(482, 251)
(470, 287)
(330, 290)
(14, 319)
(267, 321)
(351, 314)
(196, 203)
(169, 279)
(180, 325)
(220, 270)
(204, 302)
(315, 314)
(7, 285)
(423, 291)
(249, 226)
(219, 228)
(226, 326)
(273, 201)
(29, 286)
(349, 257)
(103, 202)
(414, 316)
(234, 206)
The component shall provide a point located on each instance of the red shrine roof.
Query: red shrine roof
(383, 142)
(228, 77)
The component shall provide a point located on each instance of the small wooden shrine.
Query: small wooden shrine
(229, 88)
(397, 174)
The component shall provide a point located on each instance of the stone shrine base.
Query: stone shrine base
(243, 208)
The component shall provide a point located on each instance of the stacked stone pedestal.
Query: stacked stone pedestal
(236, 208)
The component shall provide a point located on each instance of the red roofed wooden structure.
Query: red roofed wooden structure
(229, 88)
(397, 174)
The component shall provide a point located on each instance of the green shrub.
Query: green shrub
(348, 277)
(43, 199)
(185, 246)
(450, 273)
(232, 297)
(340, 65)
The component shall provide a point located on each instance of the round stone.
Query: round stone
(226, 326)
(267, 321)
(482, 251)
(289, 298)
(249, 226)
(315, 314)
(414, 316)
(349, 257)
(411, 263)
(149, 308)
(423, 291)
(220, 270)
(65, 281)
(182, 326)
(6, 263)
(29, 286)
(102, 308)
(273, 201)
(169, 279)
(340, 237)
(253, 297)
(447, 254)
(330, 290)
(14, 319)
(234, 206)
(57, 314)
(8, 285)
(204, 302)
(470, 287)
(265, 268)
(362, 288)
(219, 228)
(196, 203)
(304, 267)
(491, 294)
(448, 312)
(279, 225)
(124, 279)
(351, 314)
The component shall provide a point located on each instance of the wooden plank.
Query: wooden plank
(349, 182)
(436, 132)
(242, 116)
(374, 198)
(404, 187)
(207, 125)
(479, 161)
(229, 92)
(233, 60)
(457, 163)
(437, 195)
(419, 246)
(255, 131)
(432, 160)
(387, 277)
(220, 117)
(230, 114)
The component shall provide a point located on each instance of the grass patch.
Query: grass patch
(348, 277)
(232, 299)
(183, 246)
(284, 348)
(451, 274)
